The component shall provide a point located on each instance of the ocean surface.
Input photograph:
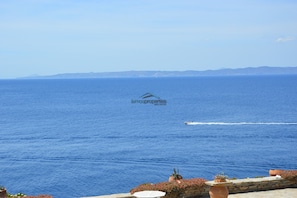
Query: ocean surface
(83, 137)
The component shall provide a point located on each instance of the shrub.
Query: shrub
(174, 189)
(21, 195)
(289, 174)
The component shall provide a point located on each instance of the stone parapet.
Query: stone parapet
(260, 184)
(234, 186)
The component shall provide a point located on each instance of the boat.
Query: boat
(189, 123)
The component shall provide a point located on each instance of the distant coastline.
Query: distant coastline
(264, 70)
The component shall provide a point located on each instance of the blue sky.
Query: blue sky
(47, 37)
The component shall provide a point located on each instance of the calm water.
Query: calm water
(72, 138)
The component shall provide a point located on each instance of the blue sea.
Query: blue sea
(85, 137)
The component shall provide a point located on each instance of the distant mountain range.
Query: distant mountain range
(265, 70)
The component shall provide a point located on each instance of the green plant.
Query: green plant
(176, 174)
(221, 177)
(18, 195)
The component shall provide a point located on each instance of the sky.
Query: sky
(47, 37)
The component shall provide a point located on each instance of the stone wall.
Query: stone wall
(249, 185)
(234, 186)
(260, 184)
(238, 186)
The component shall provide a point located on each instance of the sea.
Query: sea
(84, 137)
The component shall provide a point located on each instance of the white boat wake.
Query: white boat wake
(241, 123)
